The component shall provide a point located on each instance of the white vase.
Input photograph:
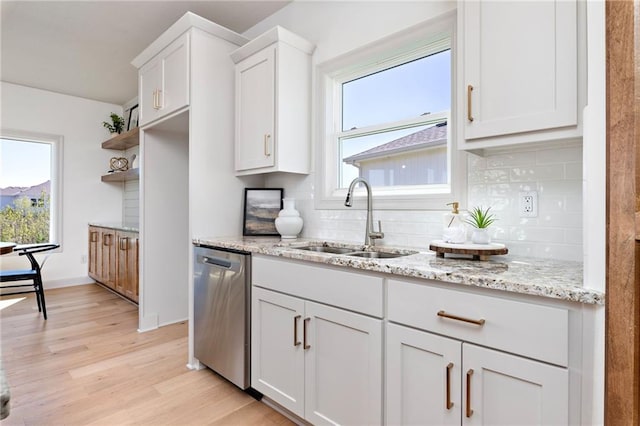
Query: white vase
(480, 236)
(289, 223)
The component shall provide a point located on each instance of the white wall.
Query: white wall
(339, 27)
(84, 197)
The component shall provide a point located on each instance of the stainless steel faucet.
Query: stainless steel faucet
(370, 234)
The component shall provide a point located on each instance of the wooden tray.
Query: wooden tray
(477, 251)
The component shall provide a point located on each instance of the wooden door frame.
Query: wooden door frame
(622, 316)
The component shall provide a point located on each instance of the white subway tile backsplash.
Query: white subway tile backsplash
(493, 181)
(571, 154)
(537, 173)
(573, 171)
(510, 160)
(488, 175)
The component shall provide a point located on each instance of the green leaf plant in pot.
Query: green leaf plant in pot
(480, 219)
(116, 126)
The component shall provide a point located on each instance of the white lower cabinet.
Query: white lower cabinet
(423, 378)
(450, 357)
(433, 380)
(503, 389)
(322, 363)
(277, 356)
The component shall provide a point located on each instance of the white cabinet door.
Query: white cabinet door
(520, 66)
(255, 111)
(164, 82)
(175, 84)
(277, 353)
(343, 367)
(502, 389)
(149, 80)
(423, 378)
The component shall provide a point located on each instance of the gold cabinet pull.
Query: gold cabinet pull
(94, 236)
(106, 240)
(469, 113)
(267, 151)
(469, 411)
(123, 242)
(160, 99)
(305, 345)
(448, 403)
(156, 99)
(296, 342)
(443, 314)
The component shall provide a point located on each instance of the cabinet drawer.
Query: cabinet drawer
(353, 291)
(535, 331)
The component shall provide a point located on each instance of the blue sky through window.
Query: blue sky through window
(402, 92)
(24, 163)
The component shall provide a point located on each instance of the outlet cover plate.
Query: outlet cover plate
(528, 204)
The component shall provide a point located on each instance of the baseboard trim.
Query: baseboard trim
(67, 282)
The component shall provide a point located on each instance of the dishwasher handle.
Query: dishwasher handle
(220, 263)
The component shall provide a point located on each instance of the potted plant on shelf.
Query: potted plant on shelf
(480, 219)
(116, 126)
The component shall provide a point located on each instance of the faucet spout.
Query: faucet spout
(370, 234)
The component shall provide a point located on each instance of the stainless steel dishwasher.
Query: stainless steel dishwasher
(222, 313)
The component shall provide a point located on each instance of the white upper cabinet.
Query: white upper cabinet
(519, 79)
(164, 82)
(273, 104)
(255, 93)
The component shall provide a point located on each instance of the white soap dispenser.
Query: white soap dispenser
(454, 230)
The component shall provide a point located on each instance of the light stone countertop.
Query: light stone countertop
(118, 226)
(539, 277)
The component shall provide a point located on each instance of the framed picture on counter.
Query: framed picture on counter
(261, 208)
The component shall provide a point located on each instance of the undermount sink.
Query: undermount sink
(376, 254)
(353, 251)
(325, 249)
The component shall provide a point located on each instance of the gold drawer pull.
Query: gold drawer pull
(443, 314)
(469, 113)
(267, 150)
(469, 411)
(296, 342)
(304, 333)
(449, 404)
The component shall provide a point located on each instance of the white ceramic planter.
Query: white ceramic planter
(480, 236)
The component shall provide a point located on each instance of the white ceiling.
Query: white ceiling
(85, 48)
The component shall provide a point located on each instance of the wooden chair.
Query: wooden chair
(32, 274)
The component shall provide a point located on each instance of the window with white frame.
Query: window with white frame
(387, 118)
(30, 182)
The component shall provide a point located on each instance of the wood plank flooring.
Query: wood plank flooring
(87, 365)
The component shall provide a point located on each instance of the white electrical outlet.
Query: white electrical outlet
(83, 259)
(528, 204)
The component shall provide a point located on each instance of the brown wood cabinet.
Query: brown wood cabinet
(109, 258)
(95, 253)
(113, 260)
(127, 279)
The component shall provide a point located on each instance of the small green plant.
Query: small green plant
(479, 218)
(117, 125)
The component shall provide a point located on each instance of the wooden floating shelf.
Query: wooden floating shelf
(124, 140)
(477, 251)
(131, 174)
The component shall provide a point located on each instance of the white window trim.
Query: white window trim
(414, 42)
(56, 142)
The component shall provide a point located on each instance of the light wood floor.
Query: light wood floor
(88, 365)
